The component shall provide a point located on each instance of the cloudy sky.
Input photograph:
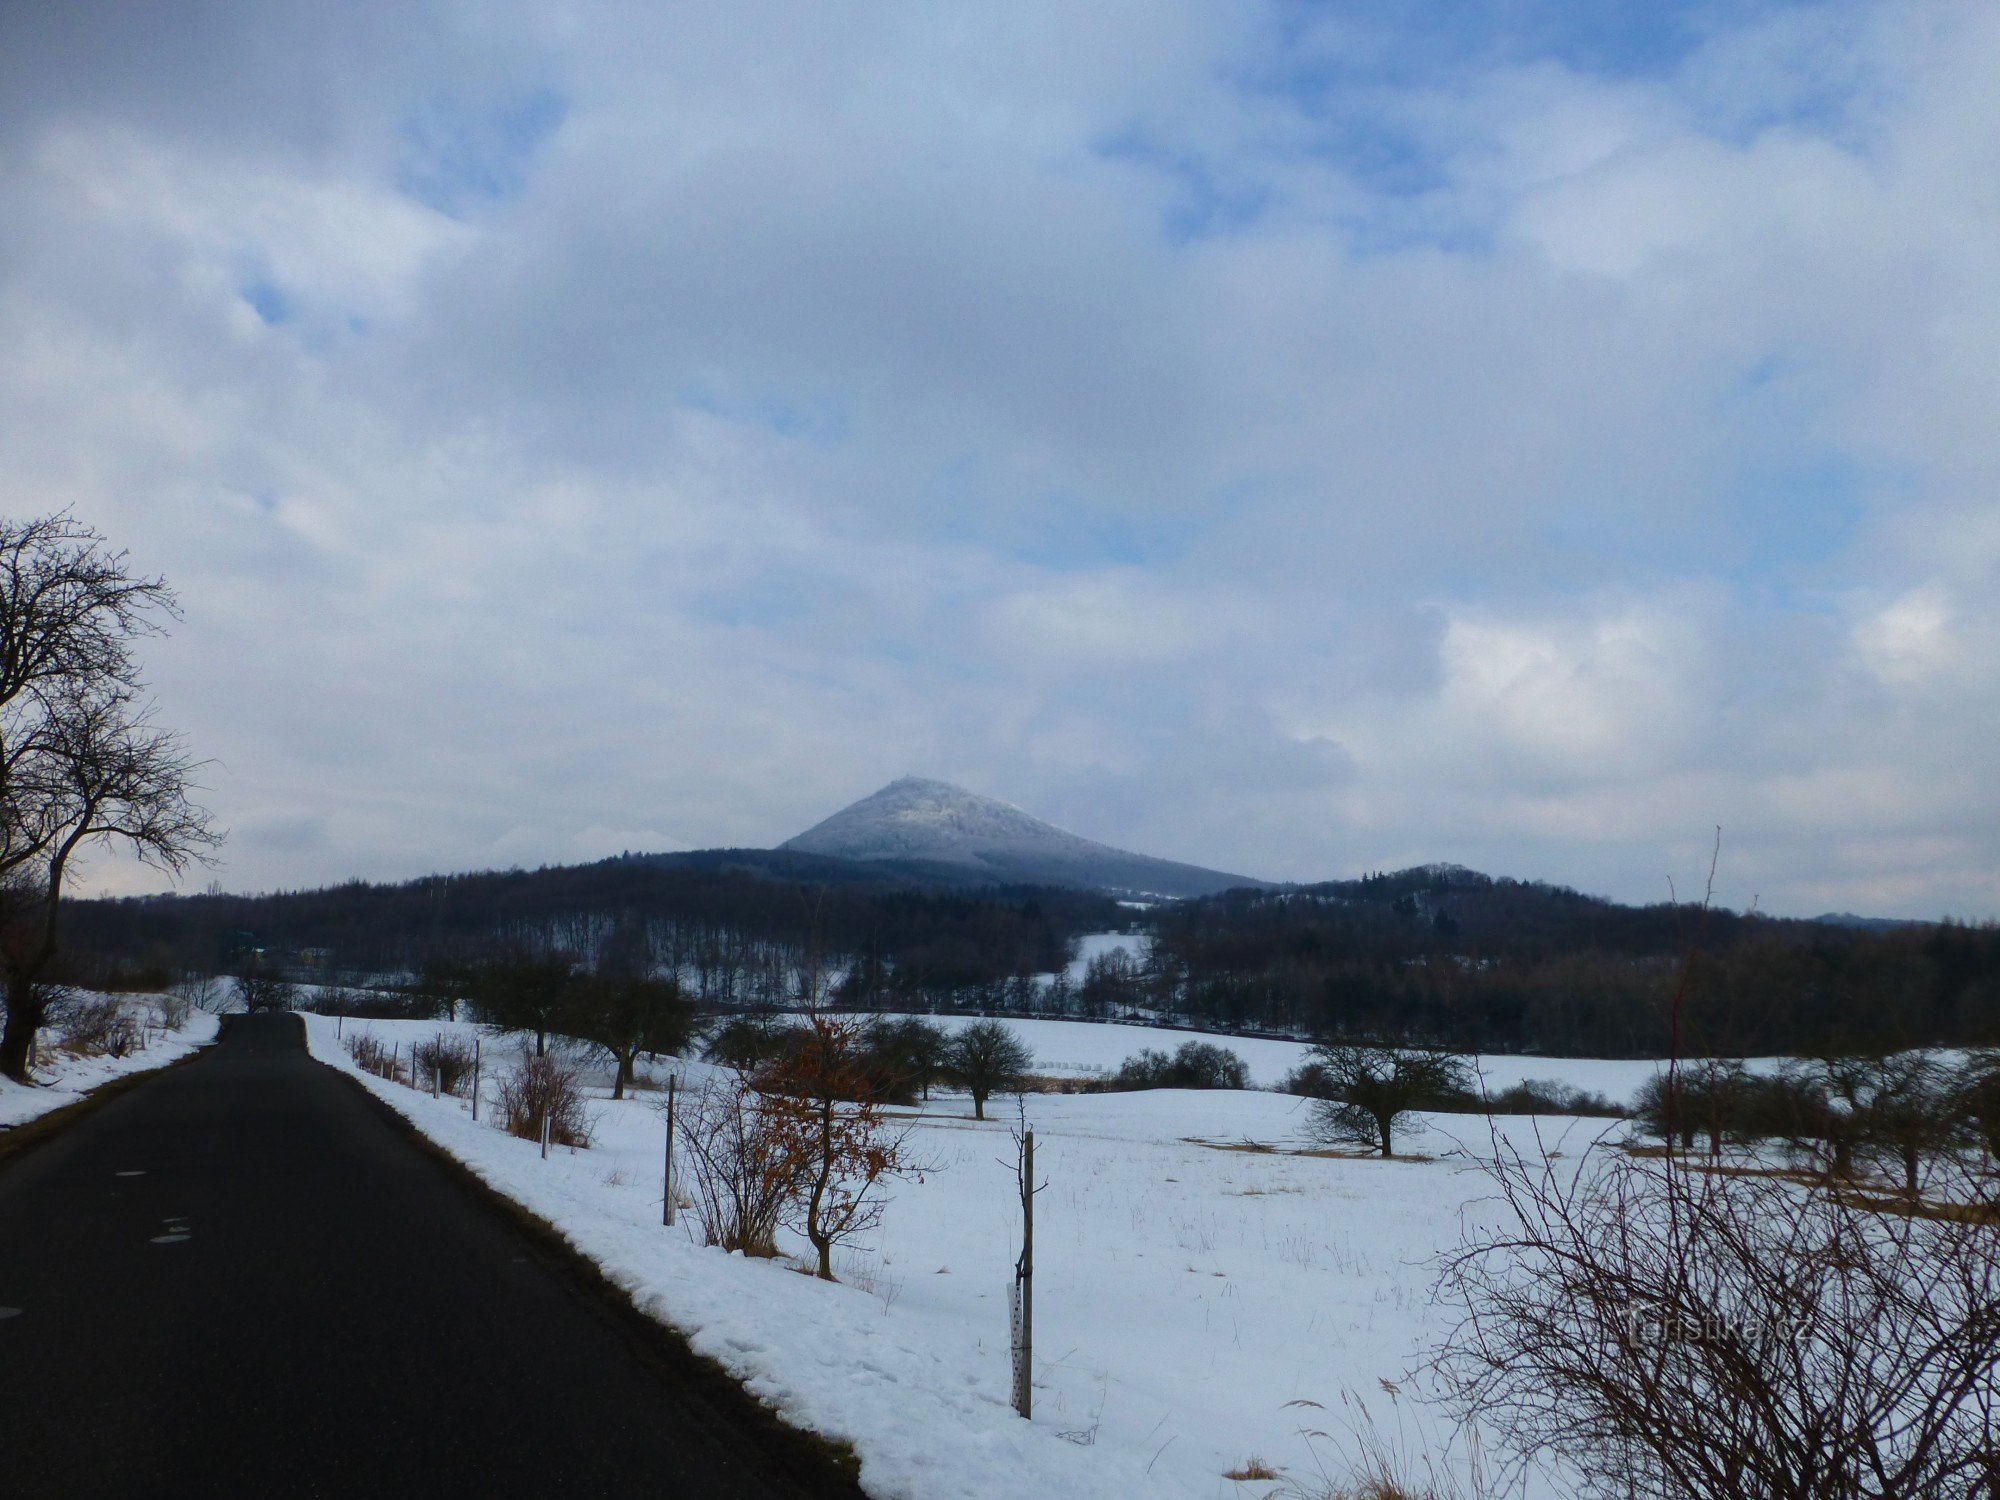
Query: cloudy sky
(1295, 438)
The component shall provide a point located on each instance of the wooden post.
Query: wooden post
(475, 1079)
(339, 1027)
(1023, 1300)
(667, 1178)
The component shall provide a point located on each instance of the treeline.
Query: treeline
(1464, 960)
(743, 932)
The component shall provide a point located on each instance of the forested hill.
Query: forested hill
(1525, 966)
(742, 922)
(1439, 953)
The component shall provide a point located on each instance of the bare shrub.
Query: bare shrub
(1669, 1332)
(202, 992)
(172, 1010)
(445, 1063)
(738, 1159)
(93, 1025)
(371, 1056)
(545, 1088)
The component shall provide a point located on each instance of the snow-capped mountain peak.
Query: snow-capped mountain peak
(933, 822)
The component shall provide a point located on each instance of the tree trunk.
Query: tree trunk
(815, 1230)
(1385, 1125)
(978, 1105)
(24, 1019)
(1910, 1164)
(624, 1074)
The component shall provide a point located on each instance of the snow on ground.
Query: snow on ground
(1089, 945)
(1203, 1295)
(1089, 1049)
(68, 1078)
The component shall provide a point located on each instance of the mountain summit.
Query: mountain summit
(916, 821)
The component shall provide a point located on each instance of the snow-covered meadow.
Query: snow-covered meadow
(1205, 1295)
(62, 1078)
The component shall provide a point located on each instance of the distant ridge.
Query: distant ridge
(919, 821)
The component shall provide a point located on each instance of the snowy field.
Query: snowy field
(1204, 1297)
(1094, 1049)
(62, 1079)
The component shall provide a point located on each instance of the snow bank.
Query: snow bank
(67, 1079)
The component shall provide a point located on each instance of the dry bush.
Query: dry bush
(545, 1088)
(370, 1056)
(1666, 1332)
(739, 1162)
(1251, 1468)
(94, 1026)
(202, 992)
(171, 1010)
(446, 1064)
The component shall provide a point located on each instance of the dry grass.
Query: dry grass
(1252, 1467)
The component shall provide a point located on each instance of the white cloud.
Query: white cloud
(1046, 399)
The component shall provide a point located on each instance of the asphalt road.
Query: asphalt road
(242, 1278)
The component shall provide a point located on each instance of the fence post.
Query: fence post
(1022, 1302)
(475, 1080)
(547, 1116)
(437, 1069)
(667, 1177)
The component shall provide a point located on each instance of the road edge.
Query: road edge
(17, 1140)
(803, 1456)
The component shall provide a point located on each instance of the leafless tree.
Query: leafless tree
(260, 988)
(987, 1059)
(81, 763)
(1363, 1093)
(1672, 1332)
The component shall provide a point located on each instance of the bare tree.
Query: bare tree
(1672, 1332)
(1361, 1093)
(260, 987)
(627, 1014)
(822, 1097)
(81, 763)
(523, 991)
(988, 1059)
(913, 1049)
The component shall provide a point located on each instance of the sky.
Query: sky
(1295, 438)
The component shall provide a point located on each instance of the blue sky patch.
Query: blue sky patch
(455, 159)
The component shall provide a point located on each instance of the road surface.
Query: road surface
(242, 1278)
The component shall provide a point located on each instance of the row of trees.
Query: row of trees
(890, 1058)
(1899, 1113)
